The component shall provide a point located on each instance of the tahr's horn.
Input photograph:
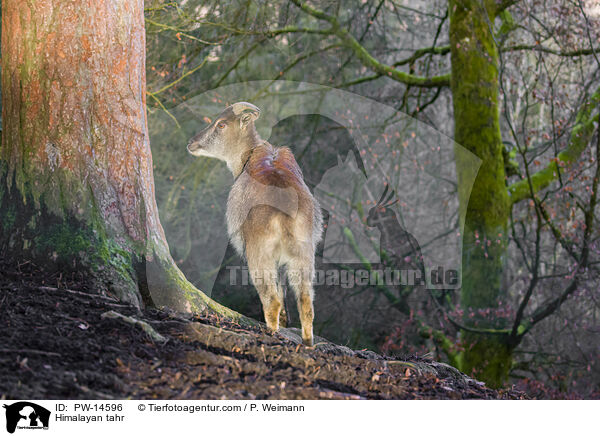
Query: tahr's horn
(240, 107)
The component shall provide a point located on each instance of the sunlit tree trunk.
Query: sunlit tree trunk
(474, 87)
(76, 184)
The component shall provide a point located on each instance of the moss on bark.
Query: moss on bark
(487, 358)
(63, 242)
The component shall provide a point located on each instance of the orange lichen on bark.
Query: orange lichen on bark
(75, 146)
(85, 116)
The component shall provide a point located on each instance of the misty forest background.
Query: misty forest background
(515, 82)
(546, 70)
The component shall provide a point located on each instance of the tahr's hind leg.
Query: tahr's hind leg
(300, 274)
(305, 307)
(264, 277)
(272, 309)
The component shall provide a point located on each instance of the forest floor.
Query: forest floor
(61, 339)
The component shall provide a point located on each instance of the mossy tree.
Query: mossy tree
(474, 87)
(76, 183)
(489, 342)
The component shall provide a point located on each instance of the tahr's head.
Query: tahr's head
(381, 212)
(231, 132)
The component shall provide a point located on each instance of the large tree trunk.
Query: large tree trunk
(76, 184)
(476, 116)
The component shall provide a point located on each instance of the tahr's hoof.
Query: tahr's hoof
(283, 319)
(308, 342)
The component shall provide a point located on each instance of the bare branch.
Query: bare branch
(183, 76)
(541, 48)
(369, 61)
(581, 134)
(548, 309)
(422, 52)
(543, 312)
(181, 32)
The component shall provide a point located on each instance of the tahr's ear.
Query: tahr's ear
(246, 112)
(247, 117)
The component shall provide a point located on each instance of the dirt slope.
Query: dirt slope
(60, 339)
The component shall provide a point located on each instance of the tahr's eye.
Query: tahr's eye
(221, 124)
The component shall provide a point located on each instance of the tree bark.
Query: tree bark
(76, 183)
